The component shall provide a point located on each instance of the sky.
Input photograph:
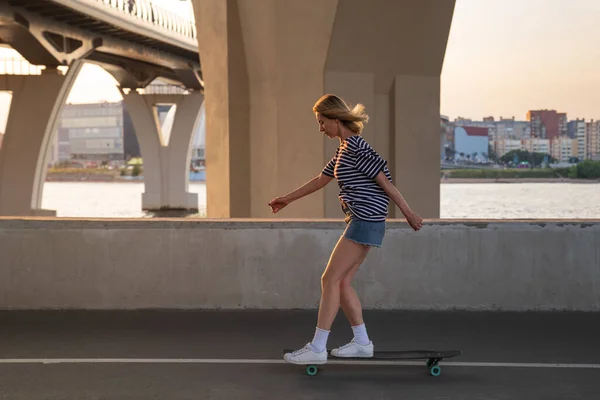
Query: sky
(503, 58)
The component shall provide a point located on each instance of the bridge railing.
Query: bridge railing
(15, 66)
(149, 12)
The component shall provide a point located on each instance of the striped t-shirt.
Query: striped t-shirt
(355, 166)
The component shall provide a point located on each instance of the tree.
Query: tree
(535, 159)
(137, 170)
(492, 154)
(521, 155)
(588, 169)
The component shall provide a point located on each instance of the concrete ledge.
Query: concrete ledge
(69, 263)
(41, 222)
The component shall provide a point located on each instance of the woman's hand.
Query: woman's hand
(313, 185)
(278, 203)
(414, 220)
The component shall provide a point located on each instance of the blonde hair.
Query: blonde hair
(333, 107)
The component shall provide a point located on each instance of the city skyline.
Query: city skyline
(504, 58)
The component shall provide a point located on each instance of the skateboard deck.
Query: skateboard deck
(432, 357)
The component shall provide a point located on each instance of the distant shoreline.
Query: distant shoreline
(61, 177)
(518, 180)
(95, 178)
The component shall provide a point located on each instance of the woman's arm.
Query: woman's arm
(316, 183)
(415, 221)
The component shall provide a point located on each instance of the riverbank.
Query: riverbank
(518, 180)
(586, 171)
(582, 173)
(116, 178)
(101, 176)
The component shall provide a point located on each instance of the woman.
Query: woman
(366, 189)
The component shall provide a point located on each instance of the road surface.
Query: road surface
(237, 355)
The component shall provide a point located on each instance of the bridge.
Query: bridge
(135, 41)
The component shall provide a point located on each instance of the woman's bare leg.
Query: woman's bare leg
(349, 300)
(344, 258)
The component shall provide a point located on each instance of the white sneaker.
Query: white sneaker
(306, 355)
(354, 349)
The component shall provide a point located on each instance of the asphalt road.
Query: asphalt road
(237, 355)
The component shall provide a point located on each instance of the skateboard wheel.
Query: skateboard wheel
(435, 370)
(312, 370)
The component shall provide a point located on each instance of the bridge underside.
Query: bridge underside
(265, 63)
(49, 34)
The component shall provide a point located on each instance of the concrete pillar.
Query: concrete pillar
(415, 141)
(37, 101)
(166, 154)
(265, 62)
(223, 60)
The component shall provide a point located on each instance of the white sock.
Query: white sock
(319, 342)
(360, 334)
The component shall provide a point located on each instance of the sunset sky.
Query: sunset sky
(504, 57)
(507, 56)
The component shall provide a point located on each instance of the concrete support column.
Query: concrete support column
(415, 142)
(166, 153)
(262, 64)
(37, 101)
(225, 76)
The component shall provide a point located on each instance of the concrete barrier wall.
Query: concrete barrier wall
(126, 264)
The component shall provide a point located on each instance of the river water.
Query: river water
(458, 200)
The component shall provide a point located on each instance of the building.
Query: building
(488, 123)
(508, 128)
(572, 127)
(95, 132)
(446, 137)
(581, 136)
(535, 145)
(593, 140)
(564, 148)
(547, 124)
(503, 146)
(518, 129)
(91, 132)
(471, 142)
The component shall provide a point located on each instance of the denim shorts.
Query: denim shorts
(363, 232)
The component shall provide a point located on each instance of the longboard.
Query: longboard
(432, 358)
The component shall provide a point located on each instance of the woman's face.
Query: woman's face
(327, 126)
